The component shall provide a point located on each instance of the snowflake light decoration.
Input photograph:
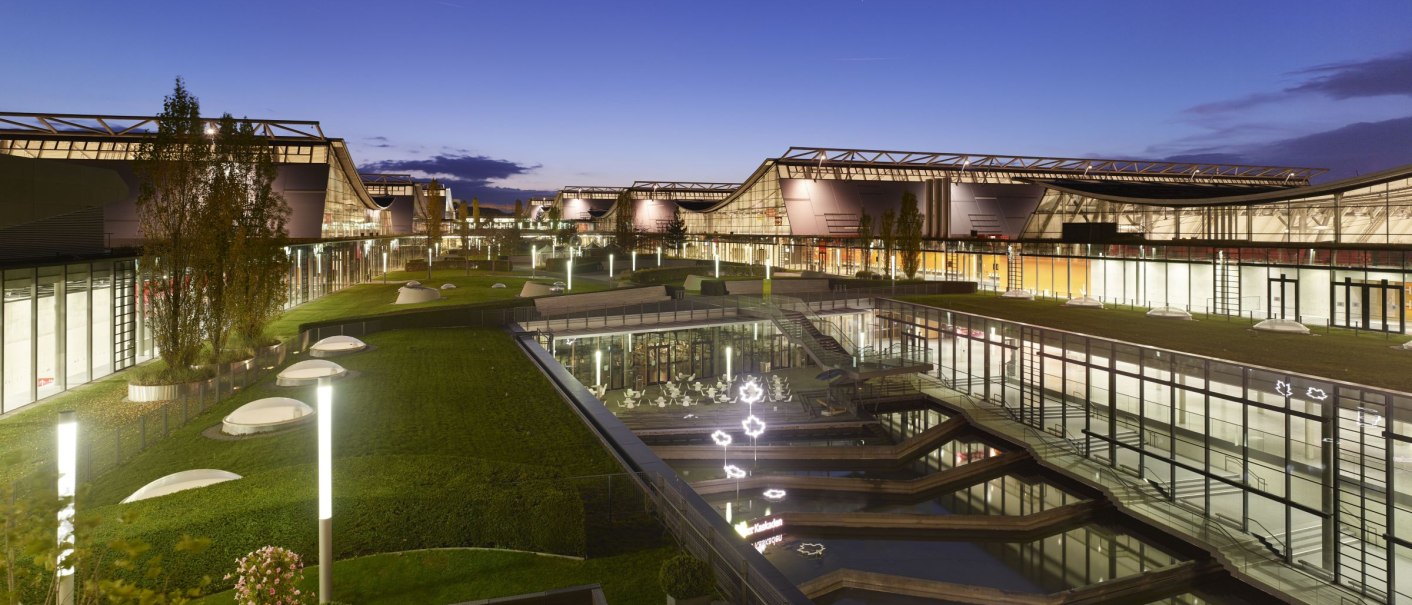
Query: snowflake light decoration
(1284, 388)
(721, 438)
(751, 393)
(754, 427)
(734, 472)
(1316, 394)
(774, 495)
(811, 549)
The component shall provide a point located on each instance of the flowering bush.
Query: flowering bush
(269, 576)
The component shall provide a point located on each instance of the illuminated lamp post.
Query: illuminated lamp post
(718, 265)
(534, 259)
(754, 427)
(659, 256)
(598, 367)
(569, 264)
(737, 473)
(68, 471)
(722, 439)
(728, 362)
(610, 266)
(384, 266)
(325, 421)
(634, 260)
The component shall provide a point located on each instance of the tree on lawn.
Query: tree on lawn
(174, 167)
(865, 239)
(625, 233)
(909, 234)
(676, 230)
(244, 205)
(436, 215)
(888, 235)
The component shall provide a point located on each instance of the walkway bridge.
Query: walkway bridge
(827, 344)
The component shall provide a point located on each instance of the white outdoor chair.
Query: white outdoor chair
(660, 401)
(710, 392)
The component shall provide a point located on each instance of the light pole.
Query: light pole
(534, 259)
(634, 260)
(659, 256)
(68, 469)
(325, 418)
(610, 266)
(728, 362)
(598, 367)
(384, 266)
(718, 265)
(570, 265)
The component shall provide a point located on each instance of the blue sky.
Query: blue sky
(509, 98)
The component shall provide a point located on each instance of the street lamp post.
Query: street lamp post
(325, 421)
(728, 362)
(68, 468)
(610, 266)
(634, 260)
(598, 367)
(569, 286)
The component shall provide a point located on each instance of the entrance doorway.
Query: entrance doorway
(1369, 305)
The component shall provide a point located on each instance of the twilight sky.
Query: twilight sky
(515, 98)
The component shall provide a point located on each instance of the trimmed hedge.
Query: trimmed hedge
(686, 577)
(385, 503)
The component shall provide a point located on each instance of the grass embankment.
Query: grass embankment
(444, 438)
(376, 298)
(1338, 354)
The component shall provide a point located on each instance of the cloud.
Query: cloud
(1347, 151)
(1382, 76)
(468, 176)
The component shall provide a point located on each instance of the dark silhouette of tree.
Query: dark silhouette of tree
(909, 234)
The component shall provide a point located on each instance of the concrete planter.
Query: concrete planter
(158, 392)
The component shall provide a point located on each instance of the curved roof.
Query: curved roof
(1231, 198)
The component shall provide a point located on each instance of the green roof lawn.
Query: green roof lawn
(1369, 358)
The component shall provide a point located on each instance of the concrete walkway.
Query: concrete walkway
(836, 456)
(932, 484)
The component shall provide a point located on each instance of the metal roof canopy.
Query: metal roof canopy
(374, 178)
(825, 156)
(91, 125)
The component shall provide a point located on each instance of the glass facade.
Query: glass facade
(63, 325)
(1318, 469)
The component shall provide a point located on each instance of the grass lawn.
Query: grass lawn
(457, 575)
(443, 438)
(1339, 354)
(375, 298)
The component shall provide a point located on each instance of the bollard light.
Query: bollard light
(728, 362)
(598, 367)
(570, 264)
(634, 260)
(68, 470)
(610, 266)
(718, 266)
(534, 260)
(659, 256)
(325, 421)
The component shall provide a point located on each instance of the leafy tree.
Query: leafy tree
(463, 229)
(435, 216)
(909, 234)
(865, 239)
(245, 205)
(676, 230)
(888, 235)
(175, 166)
(625, 233)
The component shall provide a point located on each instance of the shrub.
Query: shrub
(269, 576)
(158, 373)
(686, 577)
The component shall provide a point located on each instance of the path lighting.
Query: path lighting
(610, 266)
(325, 418)
(718, 266)
(598, 367)
(634, 260)
(68, 474)
(384, 266)
(569, 265)
(534, 260)
(659, 256)
(728, 362)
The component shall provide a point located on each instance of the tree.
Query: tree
(463, 229)
(888, 235)
(245, 204)
(436, 214)
(676, 230)
(865, 239)
(625, 233)
(174, 168)
(909, 234)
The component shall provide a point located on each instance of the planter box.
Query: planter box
(692, 601)
(158, 392)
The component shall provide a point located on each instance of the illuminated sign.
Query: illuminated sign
(774, 495)
(734, 472)
(768, 542)
(810, 549)
(721, 438)
(760, 526)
